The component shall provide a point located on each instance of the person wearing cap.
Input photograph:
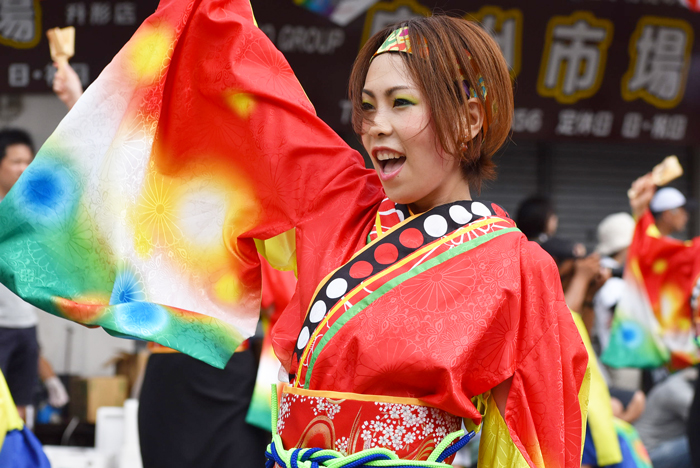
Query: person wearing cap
(645, 196)
(668, 206)
(614, 238)
(615, 233)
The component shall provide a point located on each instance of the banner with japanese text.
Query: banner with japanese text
(623, 70)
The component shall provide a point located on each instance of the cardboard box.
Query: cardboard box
(132, 366)
(86, 395)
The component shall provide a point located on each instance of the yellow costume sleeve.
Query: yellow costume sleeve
(280, 251)
(600, 417)
(9, 417)
(496, 447)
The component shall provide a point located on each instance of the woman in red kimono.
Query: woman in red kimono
(447, 312)
(415, 306)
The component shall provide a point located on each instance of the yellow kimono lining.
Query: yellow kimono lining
(600, 421)
(354, 396)
(496, 448)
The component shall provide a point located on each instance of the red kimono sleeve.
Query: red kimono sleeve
(196, 140)
(543, 412)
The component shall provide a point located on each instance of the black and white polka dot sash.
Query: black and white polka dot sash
(389, 249)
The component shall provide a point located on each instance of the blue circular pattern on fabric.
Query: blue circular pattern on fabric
(632, 334)
(127, 288)
(142, 319)
(47, 190)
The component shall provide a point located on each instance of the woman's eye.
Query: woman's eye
(366, 106)
(400, 102)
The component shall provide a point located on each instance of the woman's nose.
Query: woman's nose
(380, 125)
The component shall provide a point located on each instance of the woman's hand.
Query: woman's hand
(66, 84)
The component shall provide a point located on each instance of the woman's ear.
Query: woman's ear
(476, 112)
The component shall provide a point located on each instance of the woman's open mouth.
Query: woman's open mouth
(390, 163)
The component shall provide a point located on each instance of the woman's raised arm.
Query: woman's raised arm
(139, 213)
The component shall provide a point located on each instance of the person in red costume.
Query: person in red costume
(435, 307)
(657, 218)
(416, 306)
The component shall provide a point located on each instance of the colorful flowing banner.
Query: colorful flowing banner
(653, 321)
(260, 410)
(104, 230)
(141, 213)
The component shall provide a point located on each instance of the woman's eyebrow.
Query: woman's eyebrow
(393, 89)
(388, 92)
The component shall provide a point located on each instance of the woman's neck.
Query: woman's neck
(458, 193)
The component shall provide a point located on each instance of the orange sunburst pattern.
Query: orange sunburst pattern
(148, 223)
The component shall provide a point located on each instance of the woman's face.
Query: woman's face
(399, 136)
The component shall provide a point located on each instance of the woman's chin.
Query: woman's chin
(401, 192)
(399, 197)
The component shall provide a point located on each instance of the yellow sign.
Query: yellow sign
(575, 52)
(660, 54)
(506, 28)
(20, 23)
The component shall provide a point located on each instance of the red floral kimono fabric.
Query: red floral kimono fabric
(231, 104)
(445, 336)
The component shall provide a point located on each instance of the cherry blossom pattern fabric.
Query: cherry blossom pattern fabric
(342, 423)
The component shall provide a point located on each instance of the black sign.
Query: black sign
(586, 69)
(101, 29)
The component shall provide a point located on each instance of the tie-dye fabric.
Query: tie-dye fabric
(653, 322)
(140, 212)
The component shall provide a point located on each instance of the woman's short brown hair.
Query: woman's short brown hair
(450, 41)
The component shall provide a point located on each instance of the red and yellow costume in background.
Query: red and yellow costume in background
(401, 324)
(657, 321)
